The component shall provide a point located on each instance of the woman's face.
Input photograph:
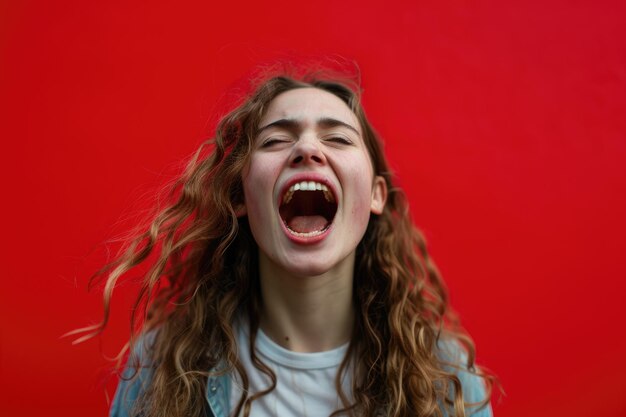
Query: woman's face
(309, 187)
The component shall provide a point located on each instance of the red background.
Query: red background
(504, 122)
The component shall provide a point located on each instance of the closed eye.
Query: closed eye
(339, 139)
(269, 142)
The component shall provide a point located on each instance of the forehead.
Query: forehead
(309, 105)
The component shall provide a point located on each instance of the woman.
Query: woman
(286, 278)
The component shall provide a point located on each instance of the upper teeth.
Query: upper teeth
(308, 186)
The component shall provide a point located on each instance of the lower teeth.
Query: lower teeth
(307, 234)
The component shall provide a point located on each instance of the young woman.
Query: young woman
(286, 278)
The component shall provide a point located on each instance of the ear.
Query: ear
(379, 195)
(241, 210)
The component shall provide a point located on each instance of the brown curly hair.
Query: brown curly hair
(202, 272)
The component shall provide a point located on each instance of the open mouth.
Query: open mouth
(308, 208)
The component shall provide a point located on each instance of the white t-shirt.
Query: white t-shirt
(305, 382)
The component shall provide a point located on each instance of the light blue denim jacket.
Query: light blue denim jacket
(218, 392)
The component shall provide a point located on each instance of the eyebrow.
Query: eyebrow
(295, 125)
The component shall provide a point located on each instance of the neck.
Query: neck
(307, 313)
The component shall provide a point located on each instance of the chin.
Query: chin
(308, 271)
(314, 264)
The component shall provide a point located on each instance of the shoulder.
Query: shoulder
(455, 359)
(135, 378)
(138, 373)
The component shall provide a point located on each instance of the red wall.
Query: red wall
(505, 124)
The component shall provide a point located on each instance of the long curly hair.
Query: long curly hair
(200, 272)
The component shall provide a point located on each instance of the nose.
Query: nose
(307, 152)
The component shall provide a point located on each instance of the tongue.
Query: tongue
(307, 224)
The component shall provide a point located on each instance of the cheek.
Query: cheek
(258, 183)
(361, 178)
(362, 203)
